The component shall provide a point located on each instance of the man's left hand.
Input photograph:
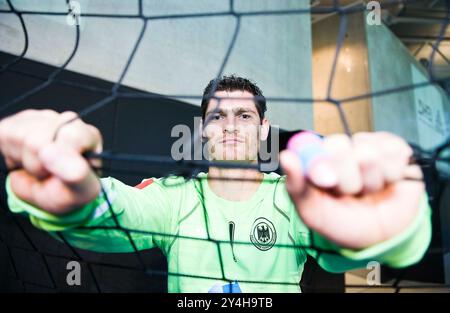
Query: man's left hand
(363, 192)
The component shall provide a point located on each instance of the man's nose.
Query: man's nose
(230, 126)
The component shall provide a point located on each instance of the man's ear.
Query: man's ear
(265, 127)
(200, 129)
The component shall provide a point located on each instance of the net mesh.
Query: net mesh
(426, 158)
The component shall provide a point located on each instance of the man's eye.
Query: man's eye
(216, 117)
(245, 116)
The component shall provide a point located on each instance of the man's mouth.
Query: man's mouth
(231, 141)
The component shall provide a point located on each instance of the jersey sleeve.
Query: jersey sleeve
(118, 218)
(405, 249)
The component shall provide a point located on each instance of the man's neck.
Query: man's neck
(234, 184)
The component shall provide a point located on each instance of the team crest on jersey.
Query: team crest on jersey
(263, 234)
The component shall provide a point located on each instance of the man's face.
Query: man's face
(235, 130)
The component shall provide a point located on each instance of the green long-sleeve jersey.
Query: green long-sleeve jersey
(260, 244)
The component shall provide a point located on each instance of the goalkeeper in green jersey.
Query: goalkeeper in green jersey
(361, 201)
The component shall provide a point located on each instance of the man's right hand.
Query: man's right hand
(50, 174)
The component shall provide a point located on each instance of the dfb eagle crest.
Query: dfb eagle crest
(263, 234)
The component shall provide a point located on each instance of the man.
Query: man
(363, 201)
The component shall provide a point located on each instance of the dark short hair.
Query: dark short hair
(232, 83)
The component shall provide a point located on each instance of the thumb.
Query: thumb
(295, 179)
(64, 162)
